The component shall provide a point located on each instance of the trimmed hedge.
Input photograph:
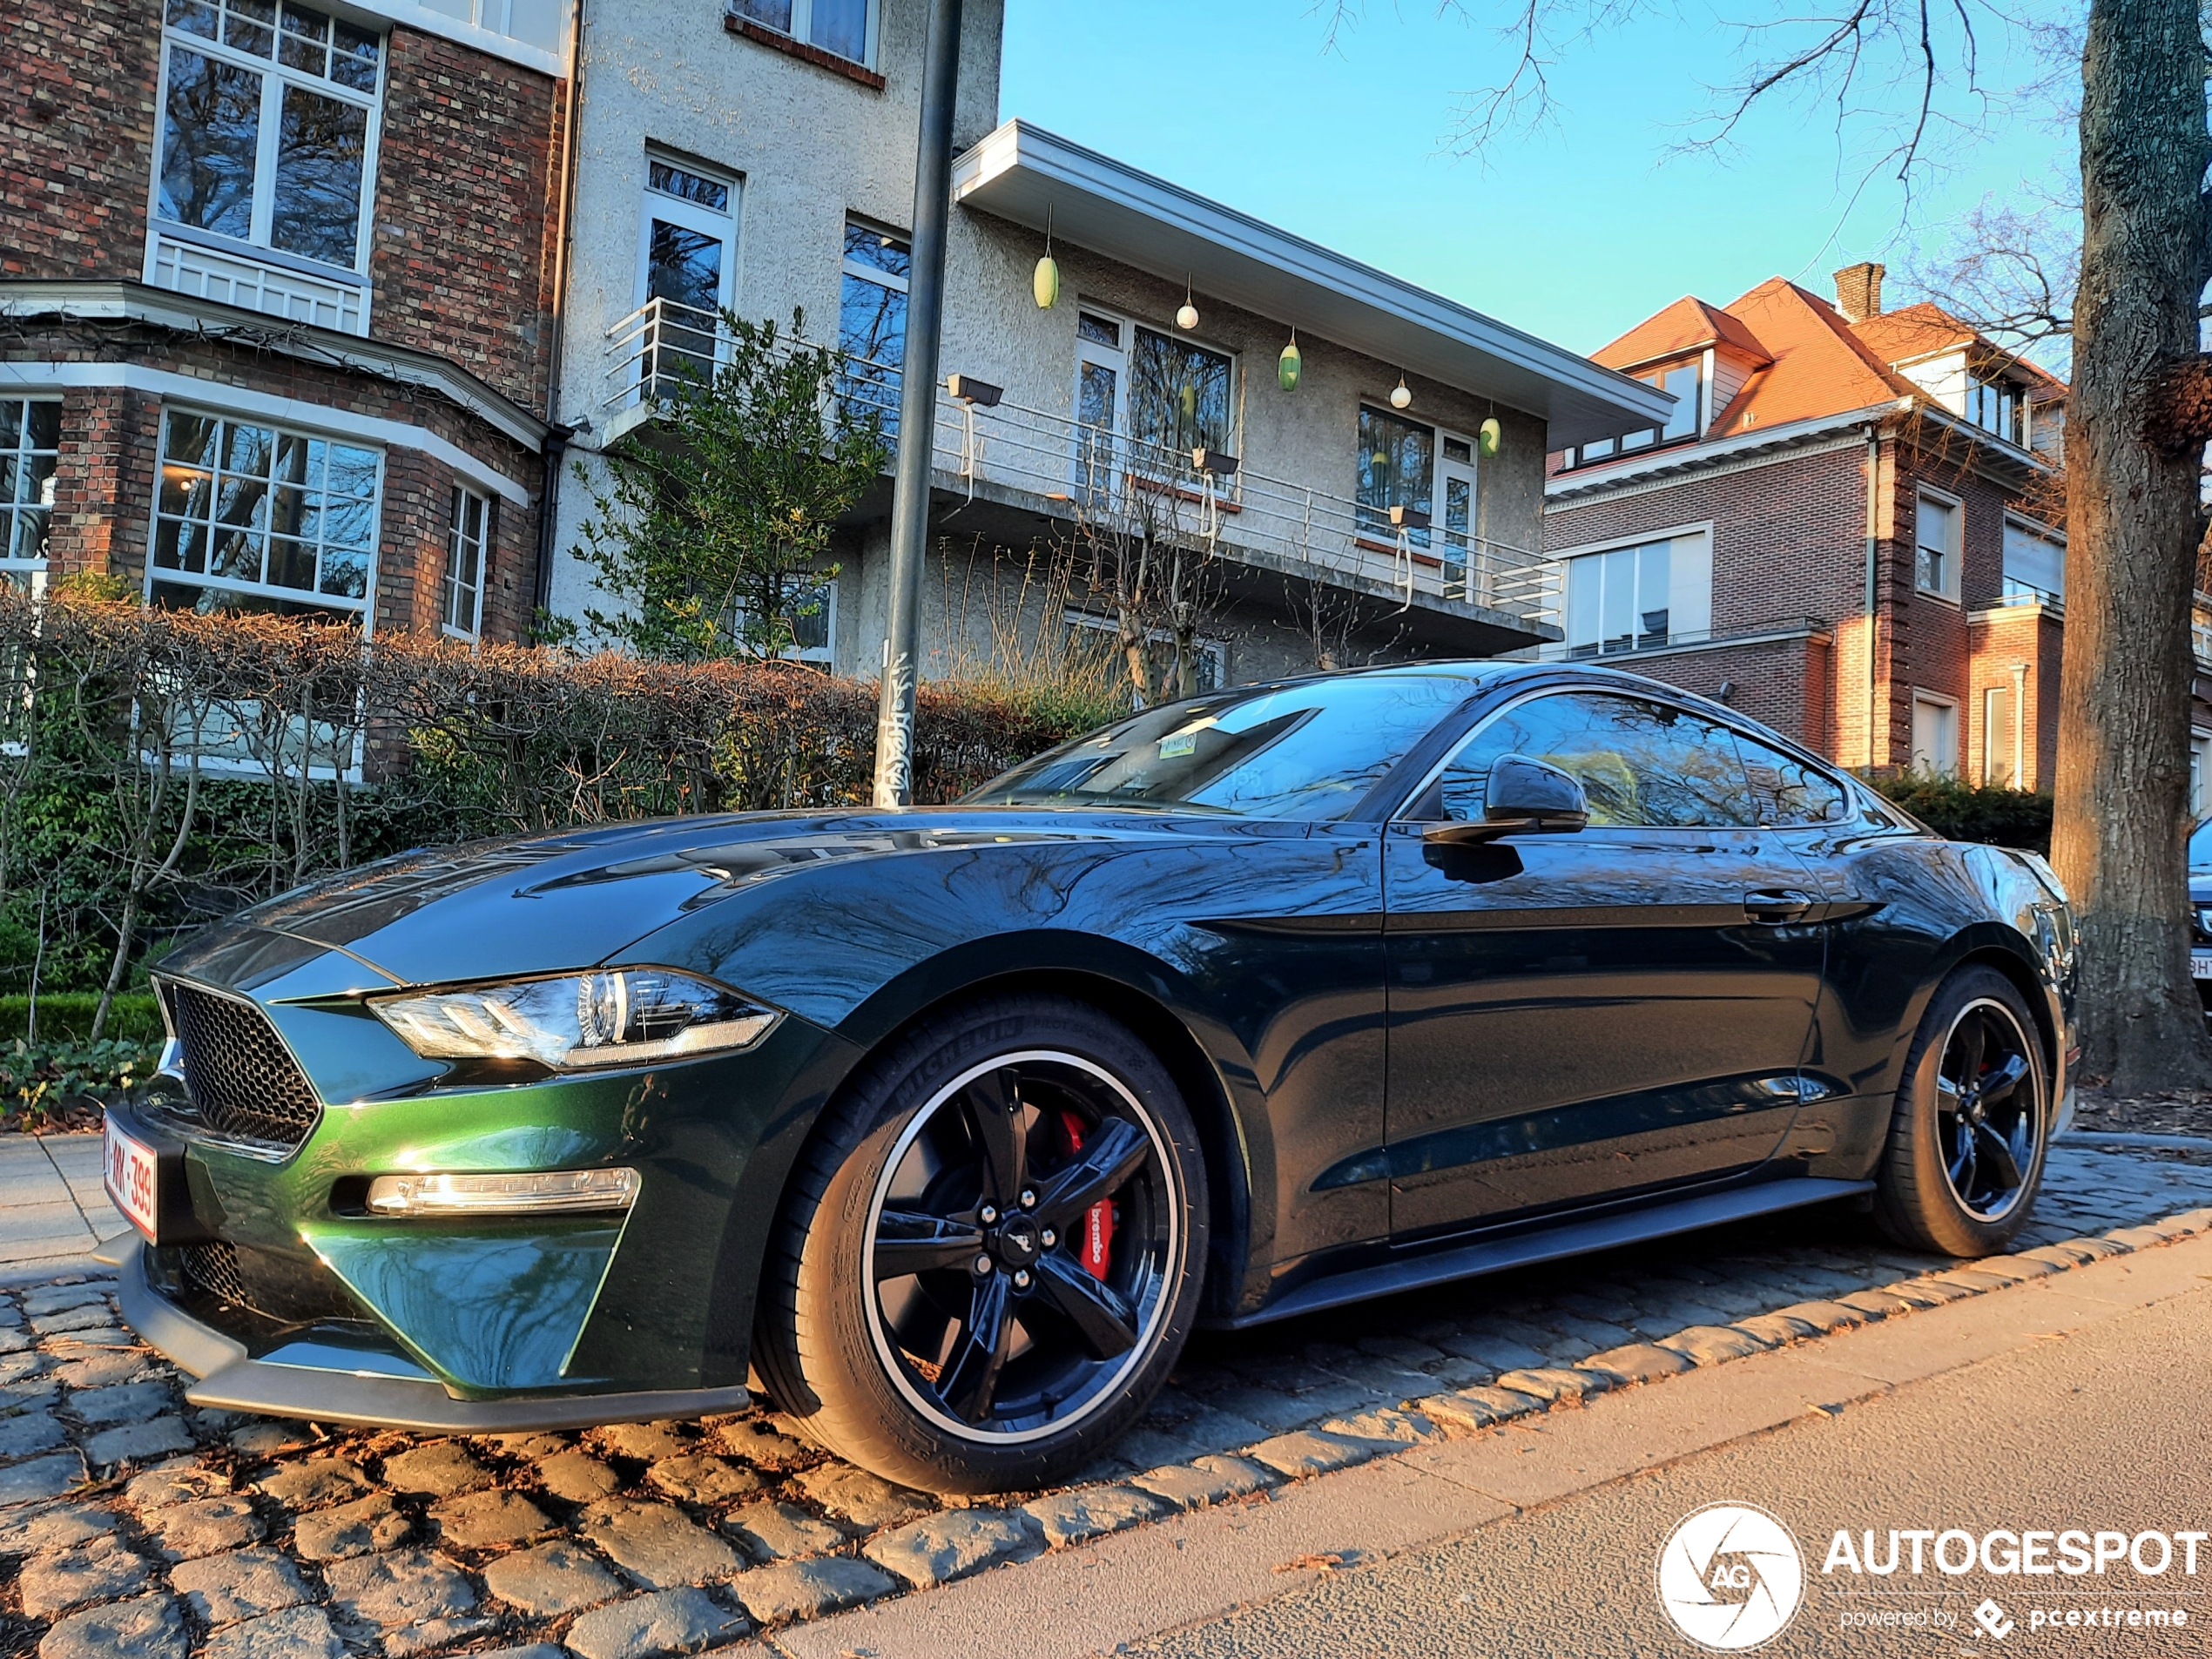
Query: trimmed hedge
(161, 769)
(67, 1015)
(1965, 812)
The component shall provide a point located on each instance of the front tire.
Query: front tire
(1972, 1120)
(988, 1260)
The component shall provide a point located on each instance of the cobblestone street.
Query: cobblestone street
(130, 1522)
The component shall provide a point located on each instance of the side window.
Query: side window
(1786, 792)
(1640, 764)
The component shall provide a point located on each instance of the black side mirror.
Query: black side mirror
(1524, 797)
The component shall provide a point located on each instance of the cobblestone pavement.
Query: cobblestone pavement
(133, 1523)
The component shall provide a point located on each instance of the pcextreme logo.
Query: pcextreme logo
(1731, 1577)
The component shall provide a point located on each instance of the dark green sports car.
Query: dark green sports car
(943, 1127)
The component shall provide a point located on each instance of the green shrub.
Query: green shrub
(61, 1085)
(1964, 811)
(67, 1015)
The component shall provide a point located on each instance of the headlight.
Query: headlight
(630, 1017)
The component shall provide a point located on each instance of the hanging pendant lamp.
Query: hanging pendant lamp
(1289, 365)
(1044, 281)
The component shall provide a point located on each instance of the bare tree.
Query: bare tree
(1904, 80)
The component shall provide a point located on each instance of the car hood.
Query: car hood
(540, 904)
(2201, 886)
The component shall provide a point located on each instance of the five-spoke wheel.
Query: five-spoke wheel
(1018, 1244)
(993, 1252)
(1966, 1139)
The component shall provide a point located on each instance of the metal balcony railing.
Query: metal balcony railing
(1109, 481)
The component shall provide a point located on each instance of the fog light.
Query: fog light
(537, 1193)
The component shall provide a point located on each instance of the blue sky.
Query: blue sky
(1575, 232)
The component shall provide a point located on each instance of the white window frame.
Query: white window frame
(451, 588)
(802, 29)
(1997, 760)
(274, 78)
(1689, 602)
(497, 16)
(31, 572)
(1954, 556)
(1950, 706)
(690, 215)
(1214, 651)
(1097, 353)
(1466, 551)
(364, 607)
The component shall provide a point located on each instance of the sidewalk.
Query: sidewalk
(53, 1210)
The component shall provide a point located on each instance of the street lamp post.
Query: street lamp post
(918, 407)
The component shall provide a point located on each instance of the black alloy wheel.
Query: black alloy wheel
(1018, 1246)
(991, 1251)
(1988, 1118)
(1968, 1136)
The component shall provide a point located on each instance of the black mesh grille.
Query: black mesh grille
(214, 1268)
(239, 1077)
(277, 1287)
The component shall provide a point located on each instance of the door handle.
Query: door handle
(1773, 906)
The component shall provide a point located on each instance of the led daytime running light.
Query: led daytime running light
(533, 1193)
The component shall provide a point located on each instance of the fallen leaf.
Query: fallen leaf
(1328, 1563)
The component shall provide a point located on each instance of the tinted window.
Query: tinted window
(1785, 791)
(1640, 764)
(1310, 749)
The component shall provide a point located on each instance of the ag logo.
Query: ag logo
(1731, 1577)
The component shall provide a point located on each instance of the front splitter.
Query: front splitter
(233, 1380)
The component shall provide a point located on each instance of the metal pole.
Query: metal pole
(894, 725)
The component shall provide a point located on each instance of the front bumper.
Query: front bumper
(331, 1381)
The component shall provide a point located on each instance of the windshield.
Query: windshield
(1308, 750)
(2201, 846)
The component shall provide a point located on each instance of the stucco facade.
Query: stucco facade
(805, 145)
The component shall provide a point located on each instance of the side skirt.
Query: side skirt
(1548, 1245)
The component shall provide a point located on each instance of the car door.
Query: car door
(1585, 1017)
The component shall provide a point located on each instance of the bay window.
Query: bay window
(252, 517)
(268, 127)
(29, 450)
(467, 546)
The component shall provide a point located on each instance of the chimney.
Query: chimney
(1859, 291)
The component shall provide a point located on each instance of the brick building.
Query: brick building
(275, 288)
(1840, 531)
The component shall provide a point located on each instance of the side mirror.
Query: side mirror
(1524, 797)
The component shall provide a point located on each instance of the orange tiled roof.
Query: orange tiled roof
(1686, 326)
(1917, 331)
(1821, 365)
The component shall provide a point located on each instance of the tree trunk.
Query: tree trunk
(2124, 731)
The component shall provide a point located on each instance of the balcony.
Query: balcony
(1106, 483)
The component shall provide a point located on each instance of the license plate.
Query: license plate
(2201, 964)
(132, 1181)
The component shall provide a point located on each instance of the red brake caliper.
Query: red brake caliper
(1096, 1250)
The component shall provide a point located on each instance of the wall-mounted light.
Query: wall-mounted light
(1186, 317)
(1216, 462)
(1403, 397)
(969, 389)
(1289, 365)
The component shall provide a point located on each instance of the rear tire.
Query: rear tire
(918, 1321)
(1971, 1124)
